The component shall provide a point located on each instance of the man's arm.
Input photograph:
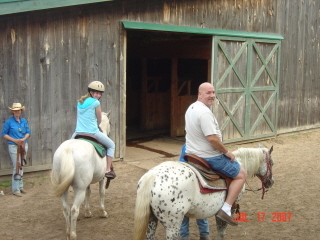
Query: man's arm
(218, 145)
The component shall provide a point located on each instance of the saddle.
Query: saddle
(101, 150)
(211, 176)
(206, 171)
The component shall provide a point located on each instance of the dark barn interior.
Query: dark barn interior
(164, 71)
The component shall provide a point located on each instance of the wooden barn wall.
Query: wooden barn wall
(47, 58)
(299, 23)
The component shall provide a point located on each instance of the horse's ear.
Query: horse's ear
(108, 113)
(271, 149)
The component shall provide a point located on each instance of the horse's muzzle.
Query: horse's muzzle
(269, 183)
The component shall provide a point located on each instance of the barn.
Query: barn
(261, 55)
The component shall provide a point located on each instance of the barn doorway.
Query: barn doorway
(164, 71)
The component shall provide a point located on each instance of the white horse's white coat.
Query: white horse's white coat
(76, 164)
(170, 191)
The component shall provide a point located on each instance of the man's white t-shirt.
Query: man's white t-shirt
(200, 122)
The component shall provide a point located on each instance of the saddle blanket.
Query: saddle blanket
(99, 148)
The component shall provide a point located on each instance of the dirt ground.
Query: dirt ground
(288, 211)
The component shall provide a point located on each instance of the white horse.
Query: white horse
(170, 191)
(77, 164)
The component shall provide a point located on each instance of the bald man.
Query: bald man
(204, 139)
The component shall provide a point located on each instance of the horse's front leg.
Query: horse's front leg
(221, 228)
(66, 212)
(87, 211)
(102, 191)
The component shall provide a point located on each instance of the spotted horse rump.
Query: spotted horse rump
(170, 191)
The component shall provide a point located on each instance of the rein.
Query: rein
(20, 161)
(264, 177)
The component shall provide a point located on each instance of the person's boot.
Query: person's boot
(111, 174)
(225, 217)
(205, 238)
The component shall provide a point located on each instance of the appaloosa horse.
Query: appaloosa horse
(170, 191)
(77, 164)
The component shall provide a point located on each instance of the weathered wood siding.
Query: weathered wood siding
(48, 57)
(299, 23)
(47, 60)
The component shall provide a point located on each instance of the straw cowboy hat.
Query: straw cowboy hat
(17, 106)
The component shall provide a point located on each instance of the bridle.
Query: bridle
(267, 176)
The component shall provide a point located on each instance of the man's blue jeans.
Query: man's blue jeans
(202, 225)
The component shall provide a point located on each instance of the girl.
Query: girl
(88, 119)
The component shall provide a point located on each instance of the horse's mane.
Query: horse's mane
(105, 123)
(250, 159)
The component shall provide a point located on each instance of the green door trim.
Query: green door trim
(248, 89)
(197, 30)
(232, 65)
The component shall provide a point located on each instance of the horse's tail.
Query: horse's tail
(142, 209)
(62, 176)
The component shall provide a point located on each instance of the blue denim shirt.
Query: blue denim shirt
(15, 129)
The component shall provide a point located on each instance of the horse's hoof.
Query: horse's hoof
(104, 214)
(88, 215)
(73, 236)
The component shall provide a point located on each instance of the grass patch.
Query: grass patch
(42, 180)
(6, 183)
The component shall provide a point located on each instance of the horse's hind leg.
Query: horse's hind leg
(102, 191)
(173, 232)
(152, 226)
(87, 211)
(79, 196)
(221, 228)
(172, 226)
(66, 212)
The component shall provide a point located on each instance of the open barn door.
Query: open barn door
(243, 66)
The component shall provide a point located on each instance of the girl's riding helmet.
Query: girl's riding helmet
(96, 86)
